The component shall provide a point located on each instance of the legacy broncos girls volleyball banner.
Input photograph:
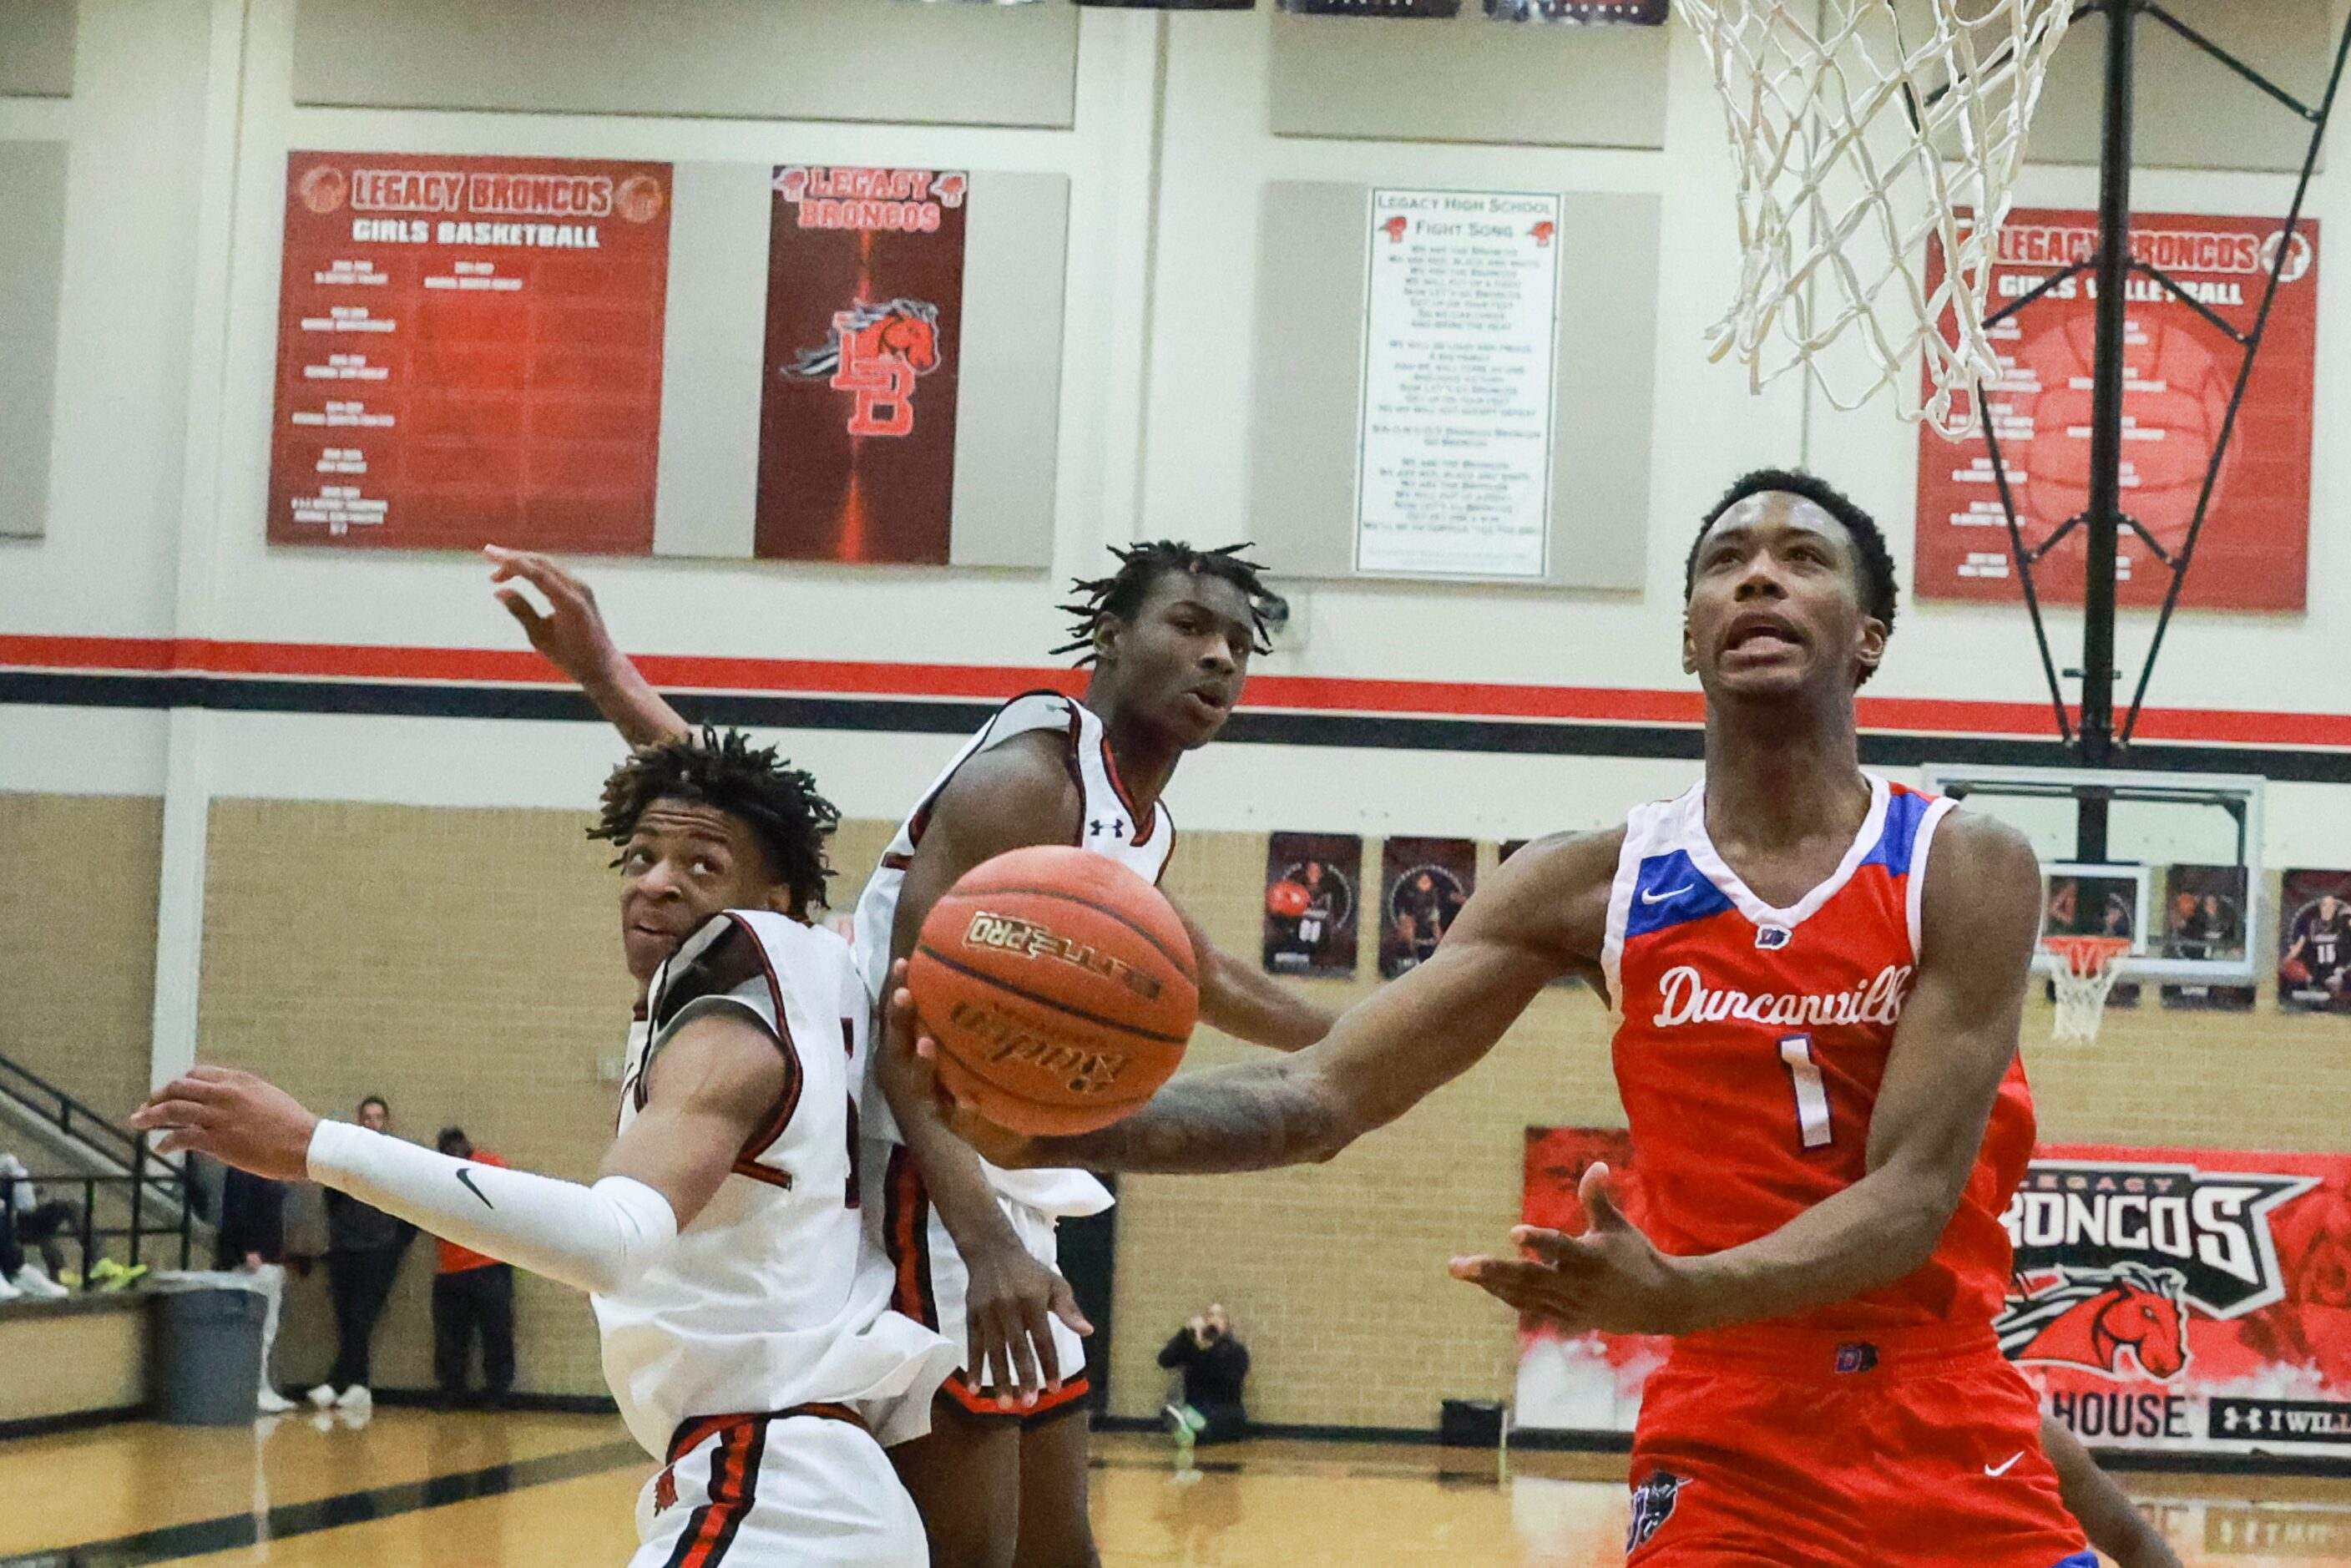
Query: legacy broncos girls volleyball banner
(2191, 1300)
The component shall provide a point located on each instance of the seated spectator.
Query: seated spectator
(1214, 1365)
(26, 1221)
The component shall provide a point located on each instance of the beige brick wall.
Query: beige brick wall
(79, 1002)
(465, 964)
(1336, 1273)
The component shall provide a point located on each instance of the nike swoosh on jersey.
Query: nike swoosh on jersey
(465, 1179)
(1661, 897)
(2001, 1469)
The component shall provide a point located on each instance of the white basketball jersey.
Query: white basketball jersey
(1107, 824)
(773, 1297)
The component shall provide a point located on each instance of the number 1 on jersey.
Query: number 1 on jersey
(1812, 1094)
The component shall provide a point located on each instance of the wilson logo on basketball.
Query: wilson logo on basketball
(1684, 998)
(1030, 939)
(1007, 1039)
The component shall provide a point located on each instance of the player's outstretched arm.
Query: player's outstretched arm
(1541, 915)
(713, 1087)
(2106, 1516)
(1241, 999)
(572, 636)
(1008, 798)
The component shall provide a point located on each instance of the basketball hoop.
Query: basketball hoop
(2085, 970)
(1857, 141)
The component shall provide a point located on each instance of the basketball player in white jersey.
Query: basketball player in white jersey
(744, 1309)
(1001, 1479)
(1816, 1026)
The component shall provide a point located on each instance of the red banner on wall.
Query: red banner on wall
(469, 351)
(2180, 370)
(857, 423)
(2175, 1299)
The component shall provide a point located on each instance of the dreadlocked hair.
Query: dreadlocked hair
(723, 770)
(1118, 596)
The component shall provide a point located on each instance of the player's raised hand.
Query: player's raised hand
(572, 634)
(1611, 1278)
(238, 1118)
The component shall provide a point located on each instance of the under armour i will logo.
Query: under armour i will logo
(1115, 827)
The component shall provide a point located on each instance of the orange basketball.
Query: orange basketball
(1060, 987)
(1288, 899)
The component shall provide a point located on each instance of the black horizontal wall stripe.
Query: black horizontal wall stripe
(1376, 732)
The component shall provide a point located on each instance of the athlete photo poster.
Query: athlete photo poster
(1313, 885)
(857, 411)
(2203, 917)
(2314, 941)
(1423, 883)
(2183, 1300)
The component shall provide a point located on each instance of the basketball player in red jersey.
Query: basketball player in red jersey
(1001, 1480)
(1819, 978)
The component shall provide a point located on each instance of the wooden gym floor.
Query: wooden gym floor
(538, 1491)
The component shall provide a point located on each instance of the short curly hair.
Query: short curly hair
(1879, 585)
(1118, 596)
(723, 770)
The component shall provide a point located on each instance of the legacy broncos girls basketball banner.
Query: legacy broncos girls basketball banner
(2191, 1300)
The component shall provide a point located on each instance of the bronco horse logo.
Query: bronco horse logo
(2088, 1317)
(875, 352)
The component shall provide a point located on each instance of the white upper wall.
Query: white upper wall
(184, 113)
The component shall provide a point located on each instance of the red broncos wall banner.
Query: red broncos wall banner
(857, 421)
(2186, 1299)
(2180, 368)
(469, 351)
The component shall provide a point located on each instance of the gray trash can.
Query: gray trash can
(207, 1368)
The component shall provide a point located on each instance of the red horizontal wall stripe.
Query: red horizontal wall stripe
(1303, 694)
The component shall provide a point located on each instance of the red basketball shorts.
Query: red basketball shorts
(1915, 1450)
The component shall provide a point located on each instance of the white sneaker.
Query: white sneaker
(323, 1397)
(273, 1403)
(9, 1292)
(33, 1283)
(356, 1400)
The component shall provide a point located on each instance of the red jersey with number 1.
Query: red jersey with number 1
(1752, 1041)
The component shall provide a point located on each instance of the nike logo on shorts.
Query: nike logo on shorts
(1996, 1471)
(465, 1179)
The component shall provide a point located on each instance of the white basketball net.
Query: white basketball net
(1861, 127)
(2083, 974)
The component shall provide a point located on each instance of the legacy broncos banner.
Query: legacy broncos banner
(2186, 1299)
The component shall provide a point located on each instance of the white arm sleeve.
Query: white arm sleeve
(596, 1239)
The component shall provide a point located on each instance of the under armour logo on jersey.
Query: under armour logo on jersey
(1653, 1504)
(1115, 827)
(1771, 938)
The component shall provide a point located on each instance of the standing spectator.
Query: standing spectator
(472, 1293)
(1214, 1365)
(251, 1239)
(365, 1246)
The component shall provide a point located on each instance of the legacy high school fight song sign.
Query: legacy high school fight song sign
(2179, 371)
(2193, 1299)
(469, 351)
(857, 423)
(1463, 321)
